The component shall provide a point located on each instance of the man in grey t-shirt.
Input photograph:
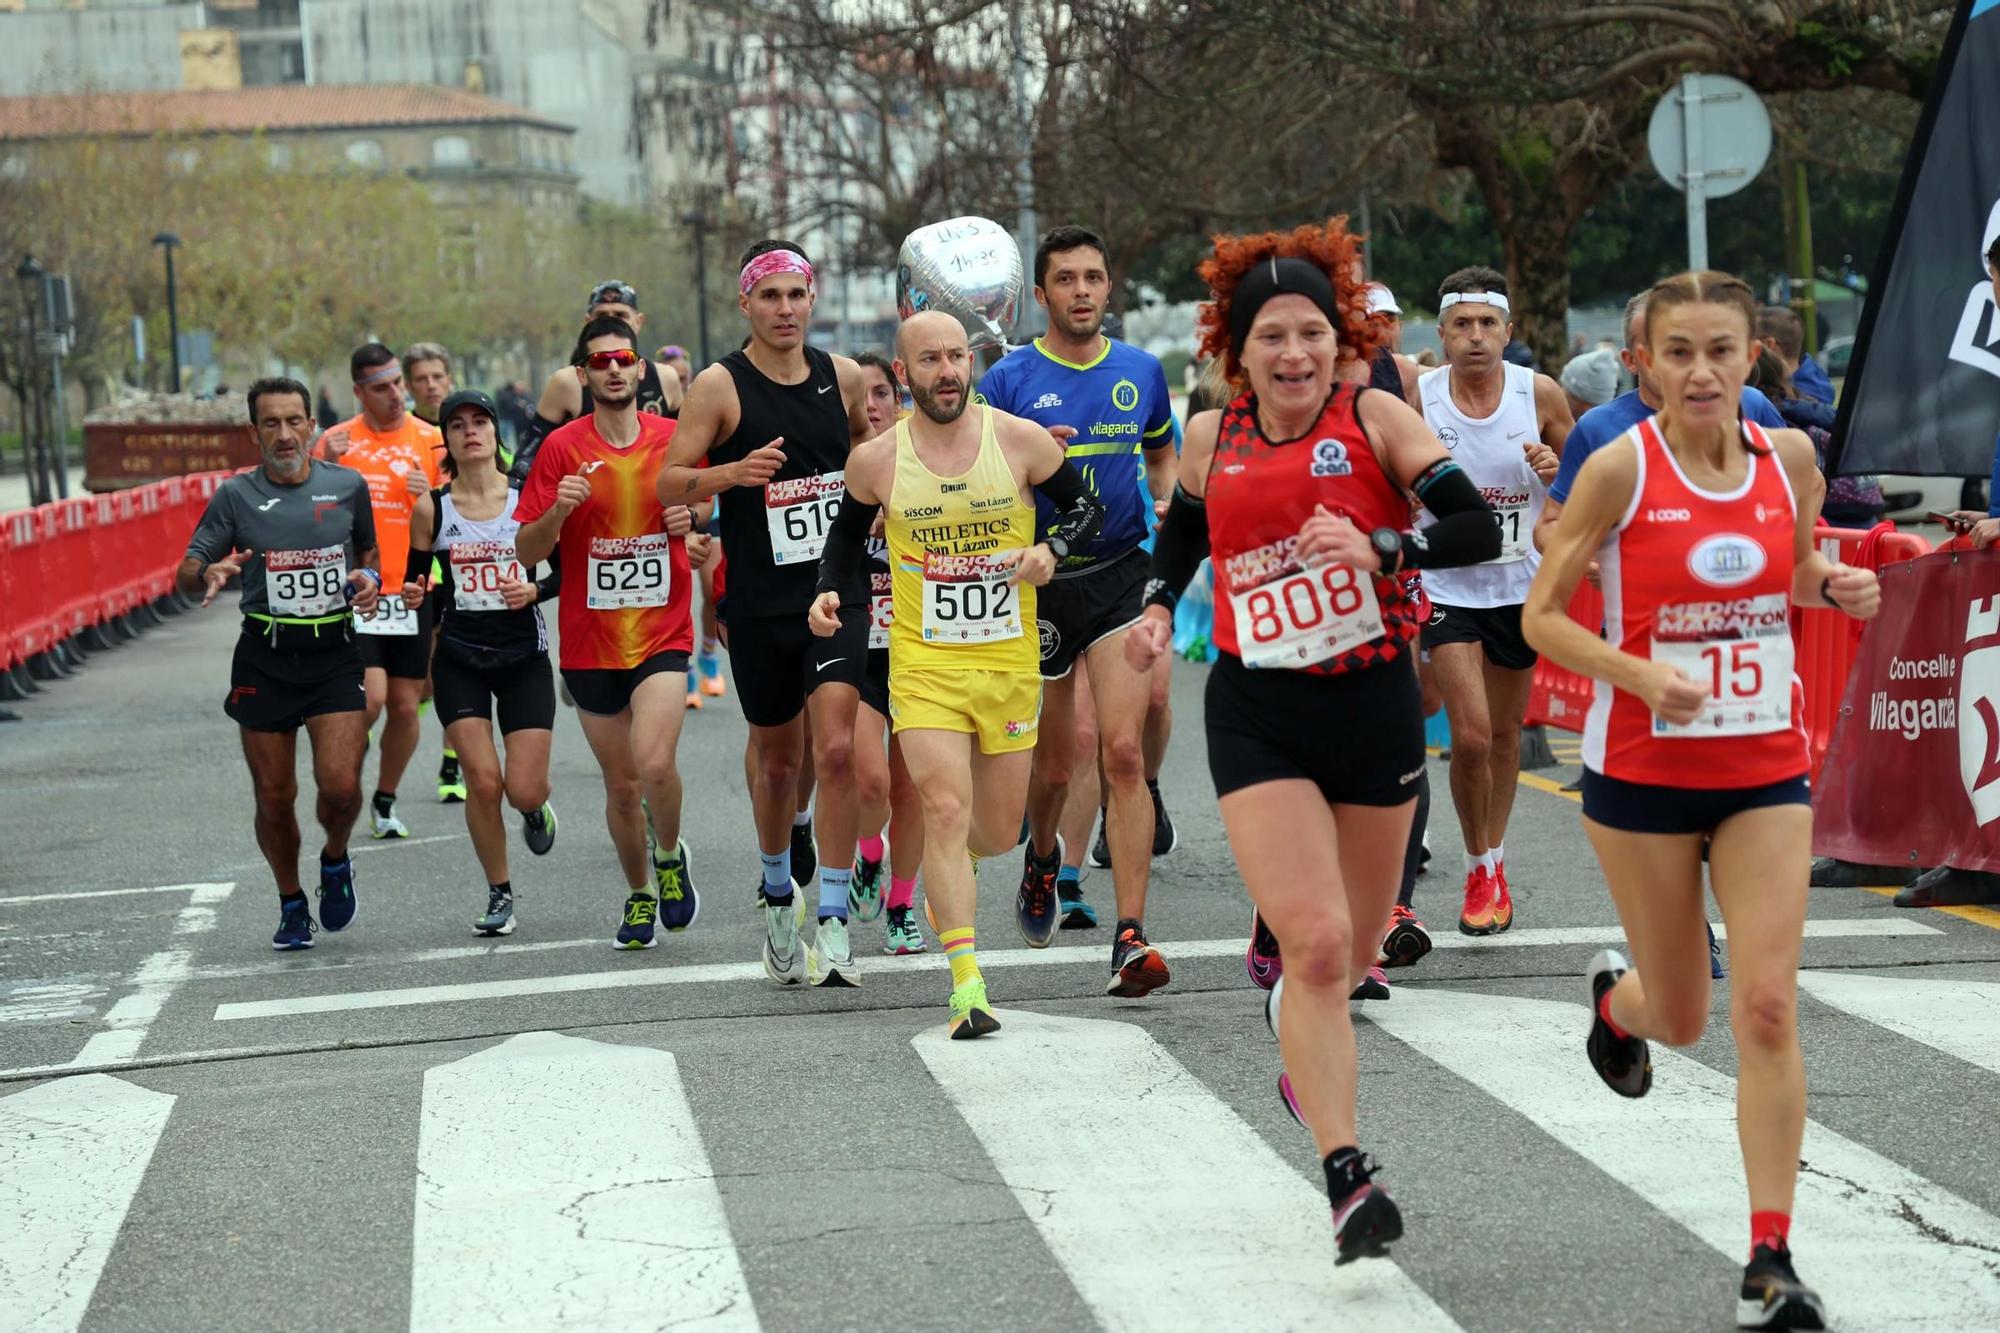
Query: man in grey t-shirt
(301, 534)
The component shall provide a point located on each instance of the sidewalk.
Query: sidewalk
(14, 488)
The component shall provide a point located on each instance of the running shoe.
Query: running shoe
(694, 700)
(382, 822)
(1374, 986)
(784, 952)
(336, 894)
(1477, 916)
(1076, 913)
(1772, 1295)
(673, 880)
(1715, 970)
(1366, 1221)
(1424, 857)
(538, 829)
(1037, 905)
(829, 961)
(1165, 836)
(1136, 966)
(805, 857)
(499, 918)
(712, 683)
(1624, 1063)
(971, 1014)
(864, 891)
(1407, 940)
(451, 782)
(295, 925)
(1100, 850)
(1262, 959)
(904, 936)
(1290, 1100)
(1503, 900)
(636, 930)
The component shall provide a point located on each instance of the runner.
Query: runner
(398, 453)
(427, 372)
(1702, 525)
(1111, 398)
(774, 420)
(565, 398)
(301, 533)
(1315, 738)
(492, 649)
(1505, 426)
(624, 617)
(963, 685)
(888, 796)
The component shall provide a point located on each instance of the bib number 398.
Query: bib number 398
(629, 571)
(1305, 618)
(305, 584)
(799, 513)
(967, 599)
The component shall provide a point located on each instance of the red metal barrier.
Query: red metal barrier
(1559, 697)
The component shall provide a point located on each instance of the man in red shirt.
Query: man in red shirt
(627, 562)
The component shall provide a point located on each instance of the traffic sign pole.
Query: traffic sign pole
(1693, 178)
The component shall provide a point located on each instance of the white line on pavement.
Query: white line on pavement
(1861, 1216)
(129, 1020)
(1960, 1018)
(1222, 1226)
(72, 1154)
(701, 973)
(564, 1226)
(102, 893)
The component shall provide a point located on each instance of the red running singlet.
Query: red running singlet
(1703, 581)
(1270, 611)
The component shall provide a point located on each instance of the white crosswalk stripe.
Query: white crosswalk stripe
(1960, 1018)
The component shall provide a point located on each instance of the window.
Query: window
(364, 153)
(278, 156)
(451, 150)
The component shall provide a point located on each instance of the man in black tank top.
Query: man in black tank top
(774, 420)
(564, 399)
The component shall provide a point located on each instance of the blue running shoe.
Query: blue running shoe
(295, 925)
(673, 879)
(1715, 956)
(636, 930)
(336, 894)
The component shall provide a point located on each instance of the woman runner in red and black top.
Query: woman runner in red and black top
(1702, 525)
(1301, 490)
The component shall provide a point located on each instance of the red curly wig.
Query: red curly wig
(1330, 246)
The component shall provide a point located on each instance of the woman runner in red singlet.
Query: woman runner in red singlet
(1702, 523)
(1302, 487)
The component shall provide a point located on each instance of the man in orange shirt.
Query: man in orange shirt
(398, 454)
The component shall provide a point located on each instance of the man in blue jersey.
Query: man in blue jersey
(1110, 399)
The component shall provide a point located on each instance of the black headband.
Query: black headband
(1277, 277)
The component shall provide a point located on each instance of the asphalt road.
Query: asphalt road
(408, 1127)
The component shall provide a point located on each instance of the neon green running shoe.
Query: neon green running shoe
(971, 1014)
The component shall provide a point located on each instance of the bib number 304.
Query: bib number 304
(477, 571)
(629, 571)
(1305, 618)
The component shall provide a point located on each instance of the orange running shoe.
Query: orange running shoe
(1503, 901)
(1136, 966)
(1480, 890)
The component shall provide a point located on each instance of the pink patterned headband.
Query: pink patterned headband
(773, 262)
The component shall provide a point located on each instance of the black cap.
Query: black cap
(467, 398)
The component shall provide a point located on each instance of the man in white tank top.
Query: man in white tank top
(1505, 426)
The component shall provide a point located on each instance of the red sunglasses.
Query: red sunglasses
(617, 356)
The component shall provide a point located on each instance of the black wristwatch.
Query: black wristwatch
(1057, 546)
(1389, 546)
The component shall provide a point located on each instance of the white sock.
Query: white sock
(1473, 861)
(1489, 860)
(803, 817)
(1498, 855)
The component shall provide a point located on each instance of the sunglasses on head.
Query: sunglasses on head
(617, 356)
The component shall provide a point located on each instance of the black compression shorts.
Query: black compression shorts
(778, 662)
(1358, 736)
(476, 682)
(270, 690)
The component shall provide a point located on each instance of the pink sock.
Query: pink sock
(902, 890)
(870, 848)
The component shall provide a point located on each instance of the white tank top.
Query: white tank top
(453, 526)
(487, 551)
(1490, 451)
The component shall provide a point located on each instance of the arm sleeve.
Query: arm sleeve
(549, 586)
(214, 536)
(1178, 549)
(846, 542)
(1079, 514)
(533, 431)
(1465, 532)
(418, 565)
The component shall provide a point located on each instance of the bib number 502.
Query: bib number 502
(974, 601)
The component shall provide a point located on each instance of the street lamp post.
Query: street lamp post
(34, 456)
(166, 240)
(698, 221)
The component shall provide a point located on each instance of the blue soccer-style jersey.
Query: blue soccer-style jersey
(1118, 406)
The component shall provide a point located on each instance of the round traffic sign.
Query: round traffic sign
(1732, 134)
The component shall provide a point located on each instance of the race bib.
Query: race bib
(799, 513)
(477, 571)
(1305, 617)
(967, 599)
(1747, 668)
(391, 619)
(1510, 510)
(629, 571)
(881, 609)
(305, 585)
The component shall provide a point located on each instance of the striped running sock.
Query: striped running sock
(959, 952)
(902, 890)
(833, 892)
(777, 875)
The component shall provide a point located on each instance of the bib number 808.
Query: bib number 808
(1303, 602)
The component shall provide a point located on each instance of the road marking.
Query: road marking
(998, 959)
(152, 984)
(1960, 1018)
(1861, 1216)
(72, 1154)
(1221, 1226)
(562, 1183)
(1978, 916)
(1549, 785)
(106, 893)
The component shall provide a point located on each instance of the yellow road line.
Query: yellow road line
(1979, 916)
(1550, 785)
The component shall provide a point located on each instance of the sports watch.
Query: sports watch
(1388, 545)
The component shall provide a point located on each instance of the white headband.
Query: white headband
(1498, 300)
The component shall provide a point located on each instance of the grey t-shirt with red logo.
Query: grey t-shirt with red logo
(303, 540)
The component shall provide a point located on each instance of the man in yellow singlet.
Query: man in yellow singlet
(965, 688)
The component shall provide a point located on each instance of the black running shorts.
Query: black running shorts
(778, 661)
(1075, 612)
(607, 693)
(875, 684)
(272, 690)
(1358, 736)
(1643, 807)
(467, 681)
(402, 656)
(1495, 628)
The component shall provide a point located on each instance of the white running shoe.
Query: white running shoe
(830, 962)
(784, 952)
(386, 826)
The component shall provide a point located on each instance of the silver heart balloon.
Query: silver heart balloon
(967, 267)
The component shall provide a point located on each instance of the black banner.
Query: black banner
(1923, 388)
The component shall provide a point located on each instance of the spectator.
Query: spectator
(1780, 329)
(1590, 378)
(1851, 502)
(515, 410)
(1386, 315)
(327, 414)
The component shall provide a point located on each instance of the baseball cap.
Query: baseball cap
(1382, 301)
(611, 289)
(1592, 377)
(468, 398)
